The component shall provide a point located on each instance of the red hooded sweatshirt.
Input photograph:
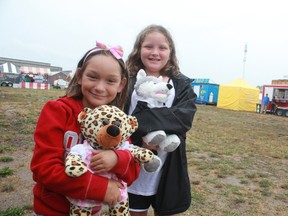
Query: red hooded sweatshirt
(56, 132)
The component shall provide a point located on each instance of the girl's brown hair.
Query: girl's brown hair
(134, 63)
(74, 89)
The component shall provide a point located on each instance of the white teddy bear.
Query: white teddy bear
(155, 92)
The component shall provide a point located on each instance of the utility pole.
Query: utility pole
(244, 61)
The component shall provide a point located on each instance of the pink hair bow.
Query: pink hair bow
(116, 51)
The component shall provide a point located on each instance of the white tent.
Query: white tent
(9, 68)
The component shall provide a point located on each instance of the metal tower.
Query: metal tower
(244, 61)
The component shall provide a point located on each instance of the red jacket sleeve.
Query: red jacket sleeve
(127, 168)
(47, 163)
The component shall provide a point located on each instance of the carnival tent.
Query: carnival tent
(35, 70)
(9, 68)
(238, 95)
(34, 77)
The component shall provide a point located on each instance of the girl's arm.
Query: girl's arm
(119, 162)
(127, 168)
(47, 163)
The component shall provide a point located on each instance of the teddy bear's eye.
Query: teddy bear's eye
(117, 123)
(105, 122)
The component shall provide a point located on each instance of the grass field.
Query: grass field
(238, 161)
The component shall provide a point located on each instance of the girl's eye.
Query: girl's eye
(111, 81)
(105, 122)
(91, 77)
(148, 46)
(163, 48)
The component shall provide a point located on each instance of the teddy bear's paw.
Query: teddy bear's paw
(154, 138)
(120, 209)
(170, 143)
(78, 210)
(153, 165)
(74, 166)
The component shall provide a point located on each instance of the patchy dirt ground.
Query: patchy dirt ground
(21, 180)
(237, 160)
(19, 111)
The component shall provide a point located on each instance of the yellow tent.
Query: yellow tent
(238, 95)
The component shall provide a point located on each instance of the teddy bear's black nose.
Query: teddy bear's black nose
(113, 130)
(169, 86)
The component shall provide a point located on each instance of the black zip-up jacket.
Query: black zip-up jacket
(173, 194)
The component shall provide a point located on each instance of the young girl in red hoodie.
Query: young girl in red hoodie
(100, 78)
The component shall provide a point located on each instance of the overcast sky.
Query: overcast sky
(210, 35)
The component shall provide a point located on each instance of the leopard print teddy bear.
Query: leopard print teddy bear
(105, 127)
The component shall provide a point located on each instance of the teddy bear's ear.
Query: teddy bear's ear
(82, 114)
(141, 73)
(133, 123)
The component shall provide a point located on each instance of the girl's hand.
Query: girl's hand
(103, 160)
(113, 194)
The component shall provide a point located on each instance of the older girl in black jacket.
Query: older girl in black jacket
(167, 191)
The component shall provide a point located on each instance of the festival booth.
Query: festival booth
(9, 74)
(34, 77)
(207, 93)
(8, 67)
(238, 95)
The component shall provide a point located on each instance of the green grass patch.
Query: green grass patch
(13, 212)
(6, 159)
(265, 184)
(7, 148)
(6, 171)
(197, 197)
